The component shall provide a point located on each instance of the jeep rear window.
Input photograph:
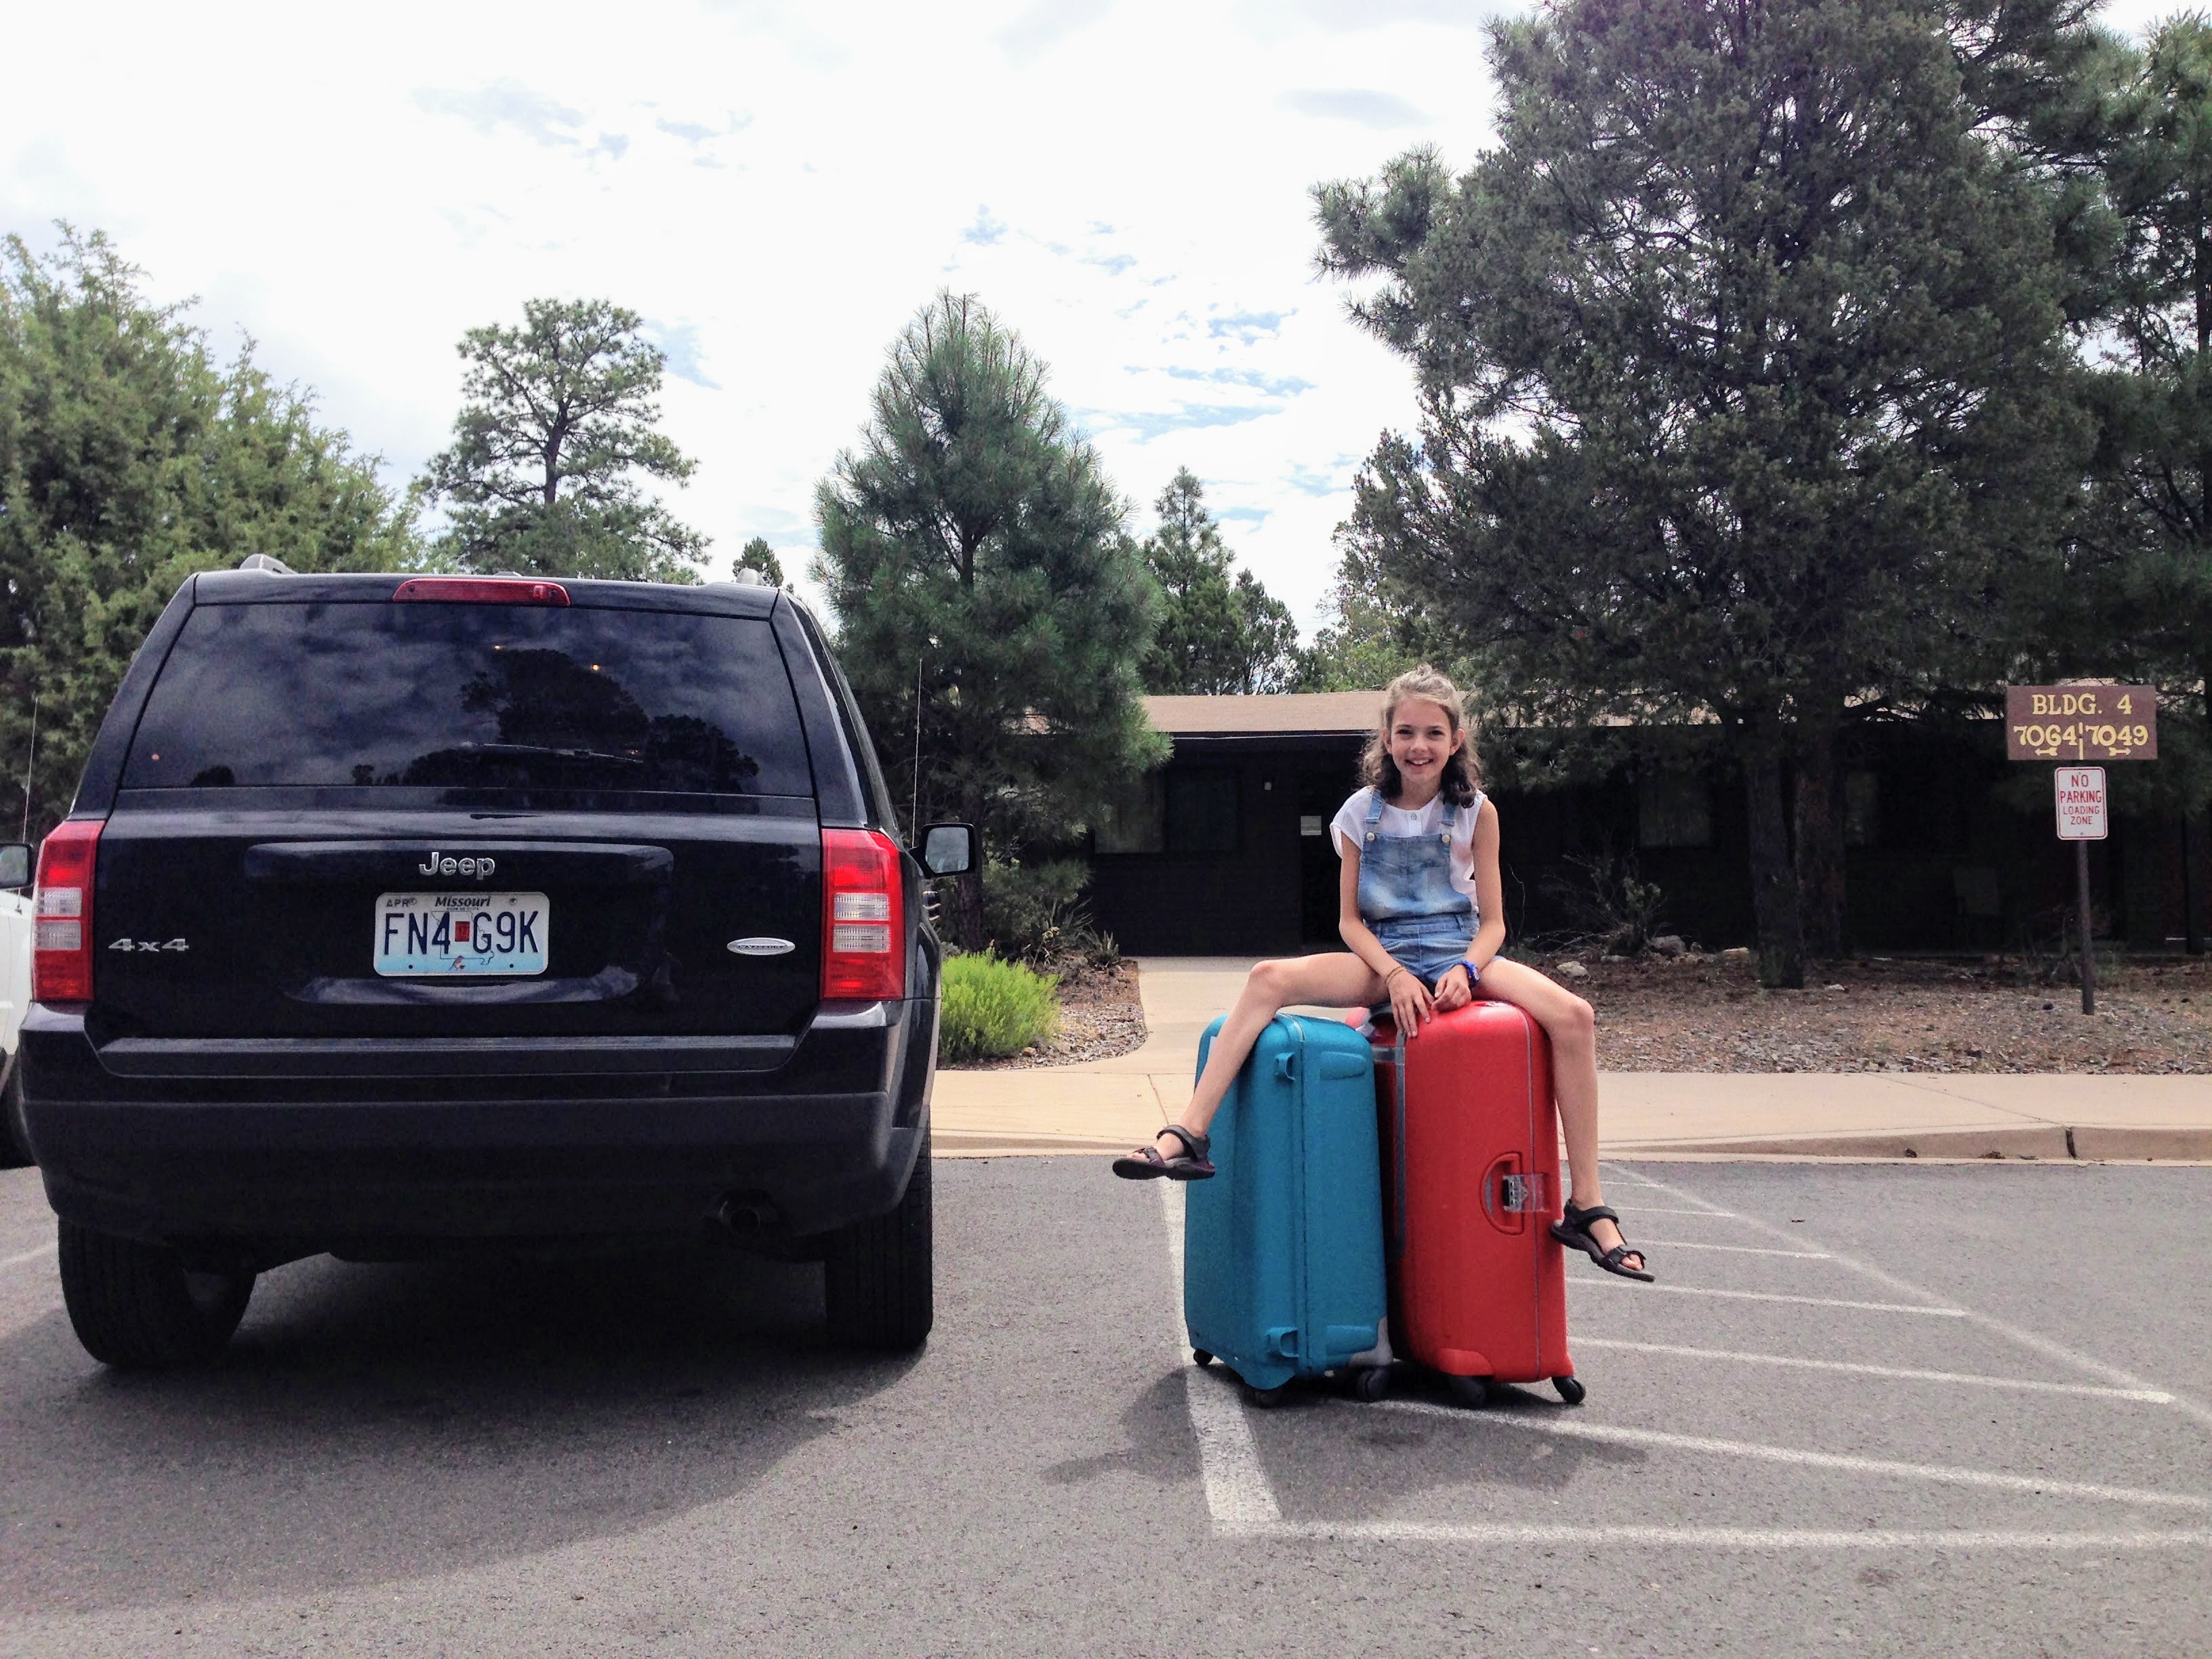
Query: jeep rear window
(472, 697)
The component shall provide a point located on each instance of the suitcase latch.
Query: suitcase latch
(1283, 1341)
(1519, 1194)
(1287, 1066)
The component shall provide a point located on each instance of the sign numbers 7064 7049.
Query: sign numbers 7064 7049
(2080, 722)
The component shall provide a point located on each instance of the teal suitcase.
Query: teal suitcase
(1282, 1249)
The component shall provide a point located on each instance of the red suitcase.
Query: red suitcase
(1470, 1190)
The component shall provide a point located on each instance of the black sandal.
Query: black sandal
(1145, 1163)
(1572, 1229)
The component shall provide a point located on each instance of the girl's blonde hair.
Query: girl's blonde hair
(1462, 776)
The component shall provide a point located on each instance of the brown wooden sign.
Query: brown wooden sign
(2080, 722)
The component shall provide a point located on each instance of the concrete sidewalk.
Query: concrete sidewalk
(1108, 1106)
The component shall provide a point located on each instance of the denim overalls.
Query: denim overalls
(1407, 895)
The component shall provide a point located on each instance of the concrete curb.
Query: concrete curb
(2048, 1143)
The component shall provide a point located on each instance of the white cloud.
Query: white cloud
(1123, 185)
(505, 103)
(1043, 24)
(1365, 106)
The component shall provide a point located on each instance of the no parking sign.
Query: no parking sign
(2080, 798)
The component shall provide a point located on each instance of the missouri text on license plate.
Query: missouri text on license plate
(451, 934)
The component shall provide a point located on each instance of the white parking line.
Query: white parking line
(1705, 1206)
(1772, 1296)
(1237, 1489)
(27, 1257)
(1726, 1538)
(1943, 1474)
(2088, 1390)
(1737, 1250)
(1242, 1502)
(1658, 1209)
(2031, 1340)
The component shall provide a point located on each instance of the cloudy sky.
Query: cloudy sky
(777, 187)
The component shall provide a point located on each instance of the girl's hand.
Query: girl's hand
(1453, 991)
(1410, 1002)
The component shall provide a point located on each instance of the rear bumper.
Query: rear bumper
(372, 1162)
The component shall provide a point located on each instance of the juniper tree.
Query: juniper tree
(130, 457)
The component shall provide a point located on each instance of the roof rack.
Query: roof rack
(263, 562)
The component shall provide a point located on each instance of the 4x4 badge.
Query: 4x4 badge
(762, 947)
(147, 945)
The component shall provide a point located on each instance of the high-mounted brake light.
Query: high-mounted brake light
(479, 590)
(862, 917)
(61, 953)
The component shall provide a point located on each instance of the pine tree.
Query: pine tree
(555, 432)
(1220, 630)
(975, 556)
(757, 556)
(1742, 373)
(2132, 597)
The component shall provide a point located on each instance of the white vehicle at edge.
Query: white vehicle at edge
(14, 1001)
(14, 967)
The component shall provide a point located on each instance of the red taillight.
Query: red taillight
(61, 954)
(862, 917)
(479, 590)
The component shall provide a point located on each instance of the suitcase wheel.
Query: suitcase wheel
(1265, 1399)
(1473, 1392)
(1200, 1357)
(1371, 1384)
(1571, 1389)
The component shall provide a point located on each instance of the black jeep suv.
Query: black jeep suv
(397, 915)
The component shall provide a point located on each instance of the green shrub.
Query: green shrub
(994, 1008)
(1030, 910)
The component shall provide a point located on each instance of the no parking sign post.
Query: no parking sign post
(2079, 723)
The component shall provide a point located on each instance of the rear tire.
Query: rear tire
(15, 1145)
(137, 1307)
(878, 1277)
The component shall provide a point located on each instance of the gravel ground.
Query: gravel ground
(1700, 1013)
(1100, 1017)
(1707, 1013)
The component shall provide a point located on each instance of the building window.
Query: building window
(1673, 809)
(1201, 811)
(1134, 821)
(1862, 809)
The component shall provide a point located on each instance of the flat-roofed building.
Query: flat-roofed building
(1225, 851)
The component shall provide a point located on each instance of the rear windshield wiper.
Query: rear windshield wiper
(547, 750)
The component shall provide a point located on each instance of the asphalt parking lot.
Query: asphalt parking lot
(1909, 1409)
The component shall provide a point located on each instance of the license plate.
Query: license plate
(448, 935)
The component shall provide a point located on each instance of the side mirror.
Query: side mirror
(948, 850)
(15, 864)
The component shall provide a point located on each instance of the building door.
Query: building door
(1320, 794)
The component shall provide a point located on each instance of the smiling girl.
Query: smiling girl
(1420, 903)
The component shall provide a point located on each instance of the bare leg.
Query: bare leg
(1568, 1021)
(1339, 980)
